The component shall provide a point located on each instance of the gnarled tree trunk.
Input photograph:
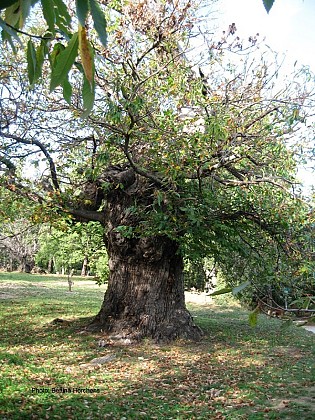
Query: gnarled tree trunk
(145, 294)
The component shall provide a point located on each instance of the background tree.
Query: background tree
(18, 232)
(173, 161)
(18, 244)
(200, 274)
(79, 247)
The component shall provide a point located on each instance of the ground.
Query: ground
(235, 372)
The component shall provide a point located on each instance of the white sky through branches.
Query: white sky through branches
(288, 29)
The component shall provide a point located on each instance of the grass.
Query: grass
(236, 372)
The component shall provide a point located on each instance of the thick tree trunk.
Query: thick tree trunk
(145, 295)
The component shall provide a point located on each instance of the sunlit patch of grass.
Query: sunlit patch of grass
(236, 372)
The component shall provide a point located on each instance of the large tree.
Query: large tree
(181, 155)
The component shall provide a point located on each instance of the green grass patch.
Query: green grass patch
(235, 372)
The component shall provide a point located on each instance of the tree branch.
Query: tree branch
(142, 172)
(52, 167)
(260, 117)
(235, 183)
(26, 33)
(86, 215)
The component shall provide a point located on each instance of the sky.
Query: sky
(288, 29)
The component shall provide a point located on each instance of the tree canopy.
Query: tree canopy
(66, 32)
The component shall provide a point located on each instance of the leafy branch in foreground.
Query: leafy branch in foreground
(64, 38)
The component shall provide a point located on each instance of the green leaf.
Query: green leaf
(6, 37)
(67, 91)
(88, 95)
(25, 9)
(7, 3)
(268, 4)
(82, 7)
(53, 57)
(31, 62)
(63, 10)
(241, 287)
(221, 291)
(9, 32)
(49, 14)
(63, 18)
(99, 21)
(12, 14)
(40, 56)
(160, 198)
(17, 12)
(125, 231)
(64, 63)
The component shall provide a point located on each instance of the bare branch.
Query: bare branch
(52, 167)
(252, 181)
(157, 181)
(26, 33)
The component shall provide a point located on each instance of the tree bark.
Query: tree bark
(10, 265)
(145, 294)
(85, 266)
(26, 265)
(50, 266)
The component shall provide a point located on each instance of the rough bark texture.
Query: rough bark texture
(145, 294)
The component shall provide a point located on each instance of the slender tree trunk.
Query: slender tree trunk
(85, 266)
(10, 265)
(50, 266)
